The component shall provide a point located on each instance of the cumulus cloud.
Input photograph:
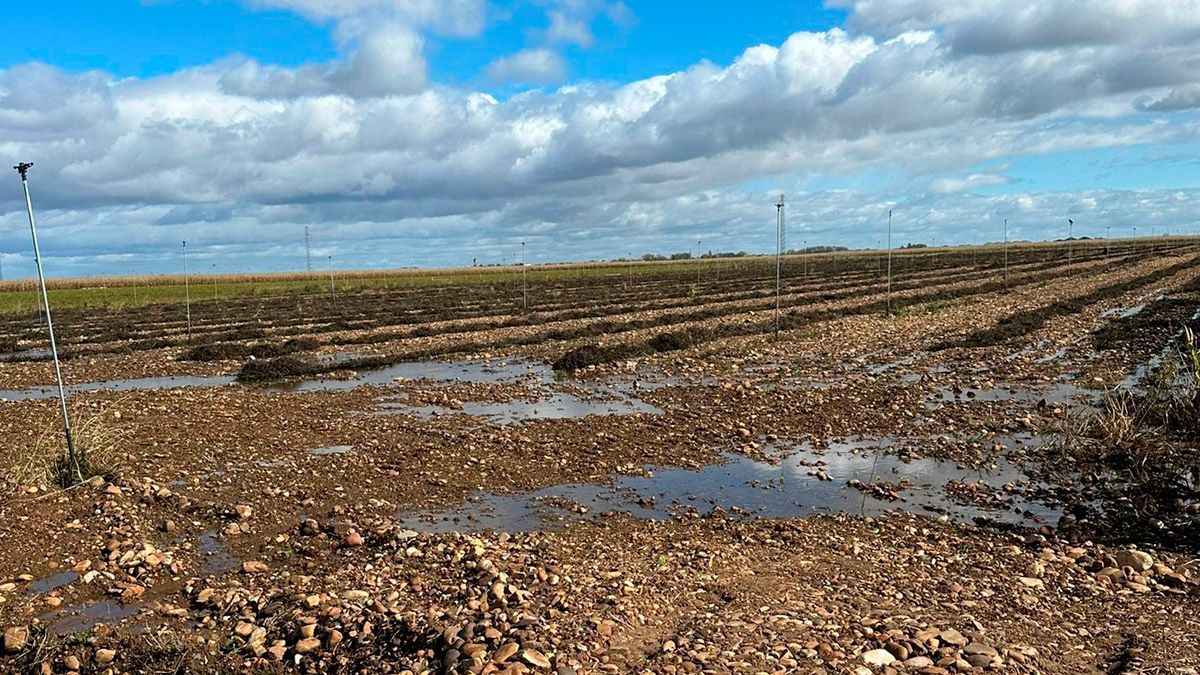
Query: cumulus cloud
(237, 155)
(387, 60)
(460, 18)
(528, 66)
(995, 26)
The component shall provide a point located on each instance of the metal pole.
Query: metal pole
(1006, 253)
(72, 458)
(214, 276)
(1070, 241)
(697, 262)
(778, 257)
(187, 292)
(330, 258)
(889, 265)
(524, 280)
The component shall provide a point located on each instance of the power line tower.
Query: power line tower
(307, 251)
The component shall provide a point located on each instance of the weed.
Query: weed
(98, 448)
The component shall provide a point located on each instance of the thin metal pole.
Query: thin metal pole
(187, 292)
(214, 276)
(778, 257)
(330, 258)
(1070, 241)
(524, 280)
(72, 458)
(889, 265)
(1006, 253)
(1107, 241)
(697, 263)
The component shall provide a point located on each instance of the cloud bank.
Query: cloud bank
(389, 168)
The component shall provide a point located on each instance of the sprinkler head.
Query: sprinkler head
(23, 168)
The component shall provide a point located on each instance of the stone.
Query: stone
(878, 657)
(308, 645)
(15, 639)
(918, 662)
(952, 637)
(243, 511)
(105, 656)
(505, 652)
(72, 662)
(1139, 561)
(535, 658)
(353, 539)
(255, 567)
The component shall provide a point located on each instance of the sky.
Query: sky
(445, 132)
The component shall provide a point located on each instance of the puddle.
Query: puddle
(475, 372)
(26, 355)
(331, 450)
(53, 583)
(783, 487)
(80, 618)
(139, 384)
(1058, 393)
(215, 557)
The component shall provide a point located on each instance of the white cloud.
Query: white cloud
(386, 60)
(528, 66)
(566, 30)
(461, 18)
(237, 154)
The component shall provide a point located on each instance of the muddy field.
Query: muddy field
(635, 474)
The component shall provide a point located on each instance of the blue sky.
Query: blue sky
(411, 132)
(140, 38)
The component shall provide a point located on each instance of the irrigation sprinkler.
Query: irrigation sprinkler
(330, 259)
(214, 280)
(1, 267)
(778, 257)
(697, 262)
(804, 243)
(72, 458)
(1107, 241)
(1006, 254)
(889, 265)
(1070, 241)
(187, 292)
(524, 280)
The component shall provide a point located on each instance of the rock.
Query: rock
(1031, 582)
(72, 662)
(105, 656)
(15, 639)
(952, 637)
(1139, 561)
(505, 652)
(979, 648)
(878, 657)
(308, 645)
(535, 658)
(917, 662)
(353, 539)
(979, 660)
(255, 567)
(243, 511)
